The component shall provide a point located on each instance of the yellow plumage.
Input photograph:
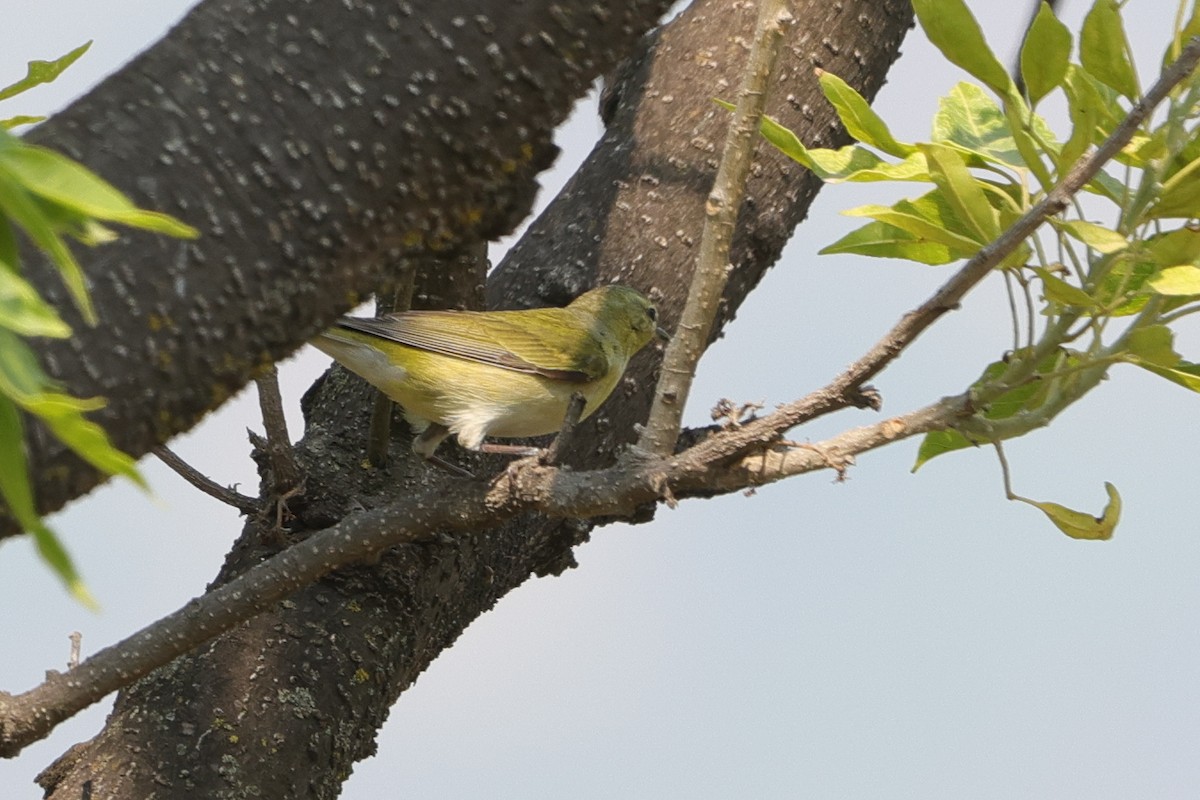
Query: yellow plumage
(505, 374)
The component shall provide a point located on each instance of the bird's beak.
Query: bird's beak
(661, 333)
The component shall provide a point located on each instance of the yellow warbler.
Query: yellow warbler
(495, 373)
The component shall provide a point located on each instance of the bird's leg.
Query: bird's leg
(427, 442)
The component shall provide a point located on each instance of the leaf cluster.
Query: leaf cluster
(1107, 279)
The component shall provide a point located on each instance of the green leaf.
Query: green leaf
(1121, 291)
(1045, 54)
(21, 208)
(14, 471)
(1178, 281)
(860, 120)
(87, 439)
(1059, 291)
(9, 257)
(968, 118)
(17, 492)
(1107, 186)
(40, 72)
(20, 119)
(1104, 50)
(1180, 197)
(1181, 36)
(1153, 345)
(1180, 246)
(60, 180)
(59, 560)
(929, 218)
(21, 378)
(937, 443)
(852, 163)
(953, 30)
(1185, 374)
(1097, 237)
(23, 310)
(1079, 525)
(1084, 104)
(23, 381)
(1030, 149)
(880, 240)
(962, 191)
(1028, 396)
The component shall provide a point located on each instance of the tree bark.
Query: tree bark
(284, 705)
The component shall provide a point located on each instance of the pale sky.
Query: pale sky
(892, 636)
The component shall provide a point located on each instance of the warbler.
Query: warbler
(505, 374)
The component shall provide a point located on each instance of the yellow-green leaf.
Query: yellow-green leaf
(1080, 525)
(938, 443)
(1059, 291)
(1178, 281)
(24, 211)
(1180, 196)
(21, 119)
(1084, 103)
(860, 119)
(40, 72)
(962, 191)
(60, 180)
(1153, 345)
(928, 218)
(17, 492)
(23, 310)
(1045, 54)
(1180, 246)
(1097, 237)
(1104, 49)
(1185, 374)
(880, 240)
(952, 29)
(968, 118)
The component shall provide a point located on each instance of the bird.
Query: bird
(502, 374)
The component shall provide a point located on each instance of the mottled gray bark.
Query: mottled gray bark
(305, 141)
(284, 705)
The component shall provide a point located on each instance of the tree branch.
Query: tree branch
(721, 212)
(247, 505)
(285, 472)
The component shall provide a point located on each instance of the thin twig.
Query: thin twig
(712, 266)
(247, 505)
(284, 468)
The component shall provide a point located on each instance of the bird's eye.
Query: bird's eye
(652, 312)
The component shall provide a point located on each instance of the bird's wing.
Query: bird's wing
(551, 343)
